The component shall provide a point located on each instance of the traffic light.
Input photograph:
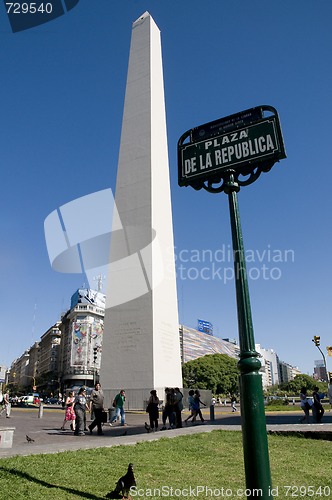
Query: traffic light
(316, 339)
(329, 350)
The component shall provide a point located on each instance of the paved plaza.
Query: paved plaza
(49, 438)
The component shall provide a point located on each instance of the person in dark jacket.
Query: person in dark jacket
(168, 411)
(317, 407)
(153, 410)
(97, 408)
(197, 406)
(178, 407)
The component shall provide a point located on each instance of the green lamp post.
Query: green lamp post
(223, 156)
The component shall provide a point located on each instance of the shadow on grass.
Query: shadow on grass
(40, 482)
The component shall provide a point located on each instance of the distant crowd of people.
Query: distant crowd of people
(171, 413)
(77, 406)
(173, 406)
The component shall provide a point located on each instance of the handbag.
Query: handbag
(104, 417)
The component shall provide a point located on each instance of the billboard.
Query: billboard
(80, 341)
(86, 336)
(205, 327)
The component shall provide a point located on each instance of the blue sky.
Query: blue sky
(61, 101)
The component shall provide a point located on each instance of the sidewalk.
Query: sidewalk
(48, 438)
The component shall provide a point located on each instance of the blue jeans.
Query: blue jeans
(119, 411)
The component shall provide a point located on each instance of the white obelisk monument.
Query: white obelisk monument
(141, 347)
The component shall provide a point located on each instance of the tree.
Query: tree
(294, 386)
(217, 372)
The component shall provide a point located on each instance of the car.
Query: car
(30, 399)
(52, 401)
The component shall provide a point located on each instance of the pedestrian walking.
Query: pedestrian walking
(80, 408)
(153, 410)
(118, 404)
(233, 403)
(168, 412)
(304, 403)
(70, 412)
(178, 407)
(97, 408)
(317, 407)
(197, 406)
(191, 404)
(6, 406)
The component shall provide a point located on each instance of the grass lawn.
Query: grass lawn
(269, 408)
(213, 460)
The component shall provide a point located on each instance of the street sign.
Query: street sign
(259, 142)
(226, 124)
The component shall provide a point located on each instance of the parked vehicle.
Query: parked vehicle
(52, 401)
(30, 399)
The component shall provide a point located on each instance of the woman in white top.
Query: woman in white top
(304, 405)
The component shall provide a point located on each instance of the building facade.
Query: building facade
(195, 344)
(49, 346)
(19, 369)
(320, 372)
(287, 372)
(270, 366)
(82, 329)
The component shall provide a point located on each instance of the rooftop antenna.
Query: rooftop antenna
(99, 280)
